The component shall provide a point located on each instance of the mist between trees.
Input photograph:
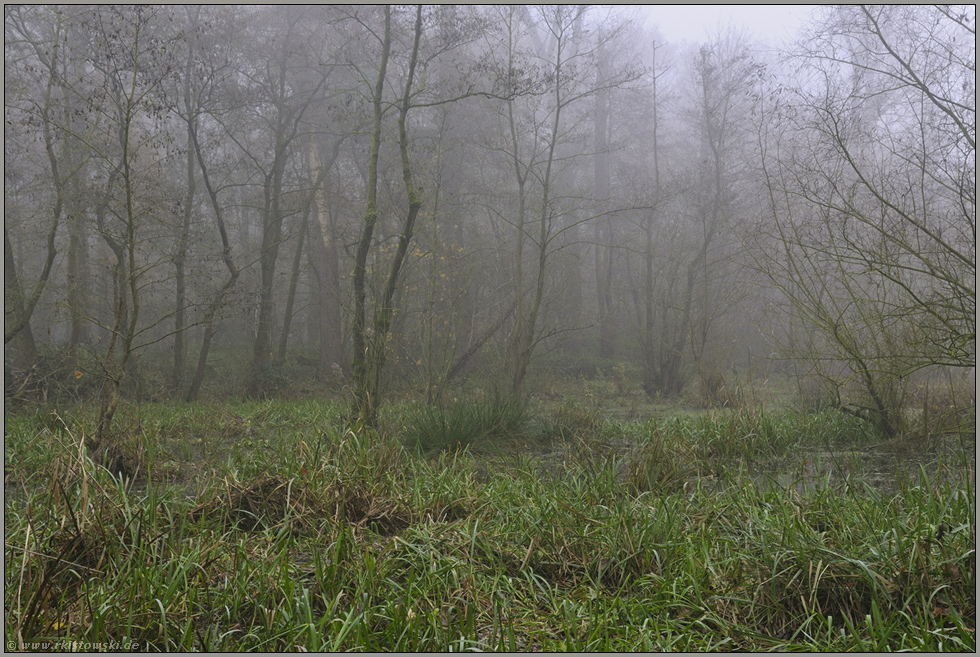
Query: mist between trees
(213, 199)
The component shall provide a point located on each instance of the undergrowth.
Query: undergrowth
(267, 526)
(460, 424)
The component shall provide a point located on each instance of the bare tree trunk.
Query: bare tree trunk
(289, 117)
(111, 379)
(14, 305)
(268, 257)
(180, 257)
(663, 352)
(233, 273)
(603, 230)
(287, 319)
(77, 275)
(464, 358)
(527, 338)
(317, 200)
(384, 310)
(649, 359)
(365, 404)
(369, 363)
(324, 253)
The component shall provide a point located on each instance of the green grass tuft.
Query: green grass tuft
(461, 424)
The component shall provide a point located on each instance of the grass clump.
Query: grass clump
(461, 424)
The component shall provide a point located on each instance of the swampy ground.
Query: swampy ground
(566, 523)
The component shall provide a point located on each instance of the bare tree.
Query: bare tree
(208, 76)
(370, 341)
(651, 373)
(129, 61)
(688, 283)
(544, 131)
(25, 31)
(277, 85)
(871, 167)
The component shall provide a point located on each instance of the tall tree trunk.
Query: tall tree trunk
(323, 250)
(26, 304)
(365, 404)
(289, 117)
(183, 239)
(603, 227)
(128, 304)
(527, 338)
(111, 380)
(77, 278)
(651, 382)
(233, 273)
(314, 201)
(368, 373)
(287, 318)
(76, 205)
(385, 309)
(268, 257)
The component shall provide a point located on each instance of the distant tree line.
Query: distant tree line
(415, 193)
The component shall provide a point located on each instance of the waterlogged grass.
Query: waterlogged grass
(266, 526)
(460, 424)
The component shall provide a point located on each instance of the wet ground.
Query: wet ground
(885, 467)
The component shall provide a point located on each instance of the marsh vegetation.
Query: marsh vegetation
(490, 526)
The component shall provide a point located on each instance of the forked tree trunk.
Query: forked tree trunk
(370, 345)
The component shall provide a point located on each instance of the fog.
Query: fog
(221, 201)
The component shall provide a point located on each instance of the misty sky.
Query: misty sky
(771, 23)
